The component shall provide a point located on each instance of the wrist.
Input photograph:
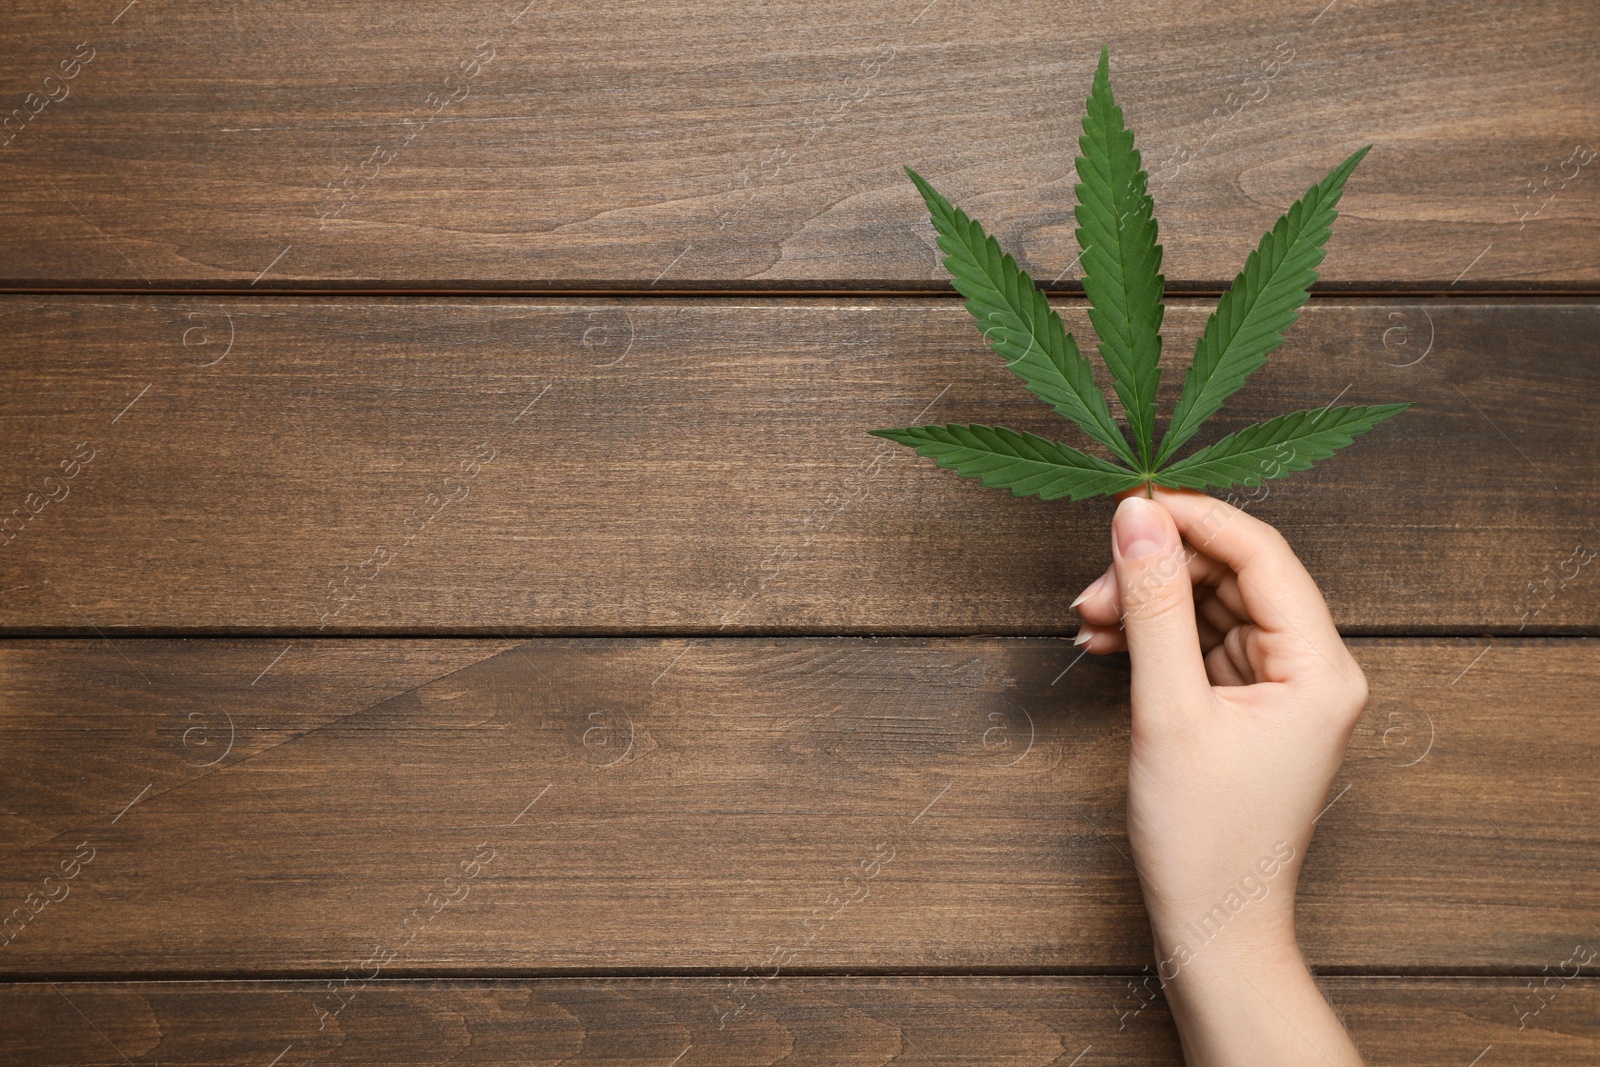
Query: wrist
(1233, 1003)
(1264, 948)
(1224, 939)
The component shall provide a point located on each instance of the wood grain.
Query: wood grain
(582, 807)
(281, 780)
(716, 144)
(1416, 1022)
(702, 466)
(199, 708)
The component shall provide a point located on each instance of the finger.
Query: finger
(1112, 639)
(1214, 612)
(1158, 616)
(1100, 602)
(1241, 650)
(1227, 590)
(1101, 640)
(1274, 588)
(1220, 668)
(1210, 636)
(1218, 579)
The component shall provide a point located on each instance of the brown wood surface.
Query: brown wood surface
(1087, 1022)
(204, 706)
(487, 145)
(633, 806)
(702, 466)
(280, 780)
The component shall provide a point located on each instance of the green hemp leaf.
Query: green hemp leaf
(1122, 279)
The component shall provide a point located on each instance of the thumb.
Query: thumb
(1157, 606)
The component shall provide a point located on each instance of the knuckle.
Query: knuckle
(1143, 603)
(1358, 690)
(1157, 585)
(1233, 643)
(1248, 649)
(1344, 691)
(1271, 539)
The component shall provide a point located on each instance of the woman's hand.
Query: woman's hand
(1244, 698)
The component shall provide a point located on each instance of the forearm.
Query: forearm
(1256, 1005)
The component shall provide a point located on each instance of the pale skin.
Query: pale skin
(1244, 698)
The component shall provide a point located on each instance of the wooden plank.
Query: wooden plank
(486, 145)
(653, 806)
(702, 466)
(1088, 1021)
(204, 706)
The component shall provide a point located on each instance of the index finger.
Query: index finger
(1277, 590)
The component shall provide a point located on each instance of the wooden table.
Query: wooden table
(453, 611)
